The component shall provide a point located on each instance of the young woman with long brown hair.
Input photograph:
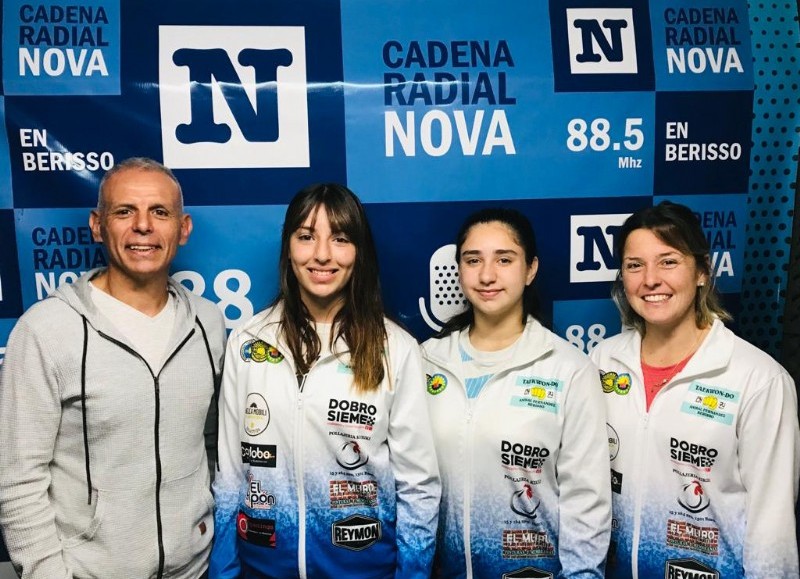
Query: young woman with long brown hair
(326, 463)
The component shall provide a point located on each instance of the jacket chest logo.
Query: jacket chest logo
(436, 383)
(537, 392)
(615, 383)
(711, 402)
(256, 414)
(260, 351)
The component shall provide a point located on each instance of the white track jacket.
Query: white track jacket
(704, 484)
(525, 490)
(317, 480)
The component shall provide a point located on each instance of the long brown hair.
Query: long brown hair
(360, 321)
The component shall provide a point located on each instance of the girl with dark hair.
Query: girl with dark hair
(518, 423)
(702, 425)
(326, 465)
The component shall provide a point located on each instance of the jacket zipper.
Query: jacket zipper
(468, 493)
(300, 475)
(637, 509)
(157, 393)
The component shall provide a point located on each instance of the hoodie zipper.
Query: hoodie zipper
(156, 438)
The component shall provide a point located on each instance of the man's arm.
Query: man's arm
(30, 414)
(214, 336)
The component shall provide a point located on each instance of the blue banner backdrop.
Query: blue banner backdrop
(576, 112)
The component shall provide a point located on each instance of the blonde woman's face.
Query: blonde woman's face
(660, 282)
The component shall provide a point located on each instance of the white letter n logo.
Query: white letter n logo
(233, 96)
(601, 41)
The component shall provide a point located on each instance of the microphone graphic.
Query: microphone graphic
(445, 295)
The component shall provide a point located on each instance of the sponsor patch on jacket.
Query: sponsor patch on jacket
(613, 442)
(259, 532)
(692, 497)
(256, 497)
(523, 456)
(528, 573)
(351, 456)
(689, 569)
(711, 402)
(537, 392)
(436, 383)
(265, 455)
(260, 351)
(256, 414)
(615, 383)
(350, 493)
(356, 532)
(352, 413)
(526, 544)
(616, 482)
(685, 535)
(524, 502)
(692, 453)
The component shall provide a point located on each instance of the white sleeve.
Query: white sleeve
(224, 562)
(584, 479)
(769, 463)
(413, 460)
(30, 415)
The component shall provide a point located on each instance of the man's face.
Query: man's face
(141, 225)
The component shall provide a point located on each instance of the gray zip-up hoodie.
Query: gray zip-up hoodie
(103, 471)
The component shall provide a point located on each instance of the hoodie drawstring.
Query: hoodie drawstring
(214, 380)
(83, 407)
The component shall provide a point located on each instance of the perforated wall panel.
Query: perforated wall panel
(774, 27)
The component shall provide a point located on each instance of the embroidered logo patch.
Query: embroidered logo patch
(356, 532)
(260, 351)
(617, 383)
(256, 531)
(711, 402)
(693, 498)
(538, 392)
(256, 414)
(690, 568)
(436, 384)
(528, 573)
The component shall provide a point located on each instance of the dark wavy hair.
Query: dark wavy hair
(360, 321)
(678, 227)
(522, 232)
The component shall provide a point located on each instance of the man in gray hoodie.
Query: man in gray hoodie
(105, 391)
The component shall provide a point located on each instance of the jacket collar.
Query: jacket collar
(78, 296)
(714, 353)
(534, 343)
(266, 326)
